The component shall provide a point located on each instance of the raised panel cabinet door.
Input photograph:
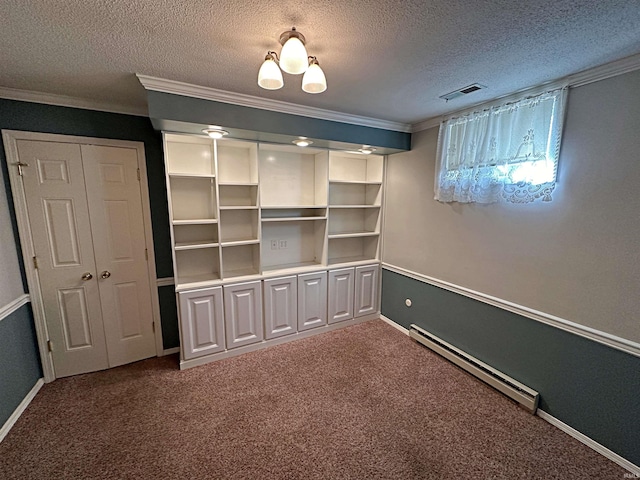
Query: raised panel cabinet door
(366, 296)
(280, 306)
(341, 285)
(54, 186)
(312, 300)
(243, 314)
(201, 322)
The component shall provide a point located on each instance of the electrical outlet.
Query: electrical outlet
(274, 244)
(282, 244)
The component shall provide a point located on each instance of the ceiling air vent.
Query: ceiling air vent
(463, 91)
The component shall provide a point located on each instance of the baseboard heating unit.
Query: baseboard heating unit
(525, 396)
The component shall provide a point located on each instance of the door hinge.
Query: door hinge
(20, 165)
(146, 254)
(49, 346)
(138, 174)
(153, 327)
(35, 262)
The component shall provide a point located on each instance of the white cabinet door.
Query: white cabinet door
(280, 306)
(312, 300)
(366, 299)
(201, 322)
(341, 284)
(243, 313)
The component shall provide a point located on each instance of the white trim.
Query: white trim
(223, 96)
(20, 409)
(426, 124)
(67, 101)
(10, 138)
(151, 255)
(11, 307)
(602, 72)
(395, 325)
(165, 282)
(604, 338)
(170, 351)
(589, 442)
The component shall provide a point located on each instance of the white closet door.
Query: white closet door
(59, 218)
(117, 225)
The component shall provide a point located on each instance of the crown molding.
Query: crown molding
(207, 93)
(67, 101)
(595, 74)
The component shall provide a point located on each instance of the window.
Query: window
(506, 153)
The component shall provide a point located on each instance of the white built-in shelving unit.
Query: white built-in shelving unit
(299, 226)
(355, 200)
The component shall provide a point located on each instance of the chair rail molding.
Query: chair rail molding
(604, 338)
(14, 305)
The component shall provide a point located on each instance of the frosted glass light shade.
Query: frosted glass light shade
(270, 76)
(314, 80)
(293, 57)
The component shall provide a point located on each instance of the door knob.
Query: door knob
(87, 276)
(105, 274)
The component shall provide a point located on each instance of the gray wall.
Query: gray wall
(576, 257)
(19, 357)
(19, 360)
(18, 348)
(587, 385)
(10, 280)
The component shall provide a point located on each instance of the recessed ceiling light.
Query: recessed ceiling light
(302, 142)
(366, 150)
(215, 132)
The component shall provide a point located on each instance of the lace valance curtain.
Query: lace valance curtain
(507, 153)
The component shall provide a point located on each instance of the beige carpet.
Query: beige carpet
(364, 402)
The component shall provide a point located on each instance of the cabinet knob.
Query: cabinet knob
(87, 276)
(106, 274)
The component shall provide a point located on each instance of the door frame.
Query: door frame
(10, 139)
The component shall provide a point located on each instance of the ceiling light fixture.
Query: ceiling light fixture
(366, 150)
(215, 132)
(294, 60)
(302, 142)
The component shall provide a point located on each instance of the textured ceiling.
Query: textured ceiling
(387, 59)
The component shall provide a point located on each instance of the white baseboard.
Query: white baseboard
(581, 437)
(170, 351)
(394, 324)
(21, 408)
(589, 442)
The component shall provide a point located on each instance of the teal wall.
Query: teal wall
(589, 386)
(177, 112)
(19, 360)
(33, 117)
